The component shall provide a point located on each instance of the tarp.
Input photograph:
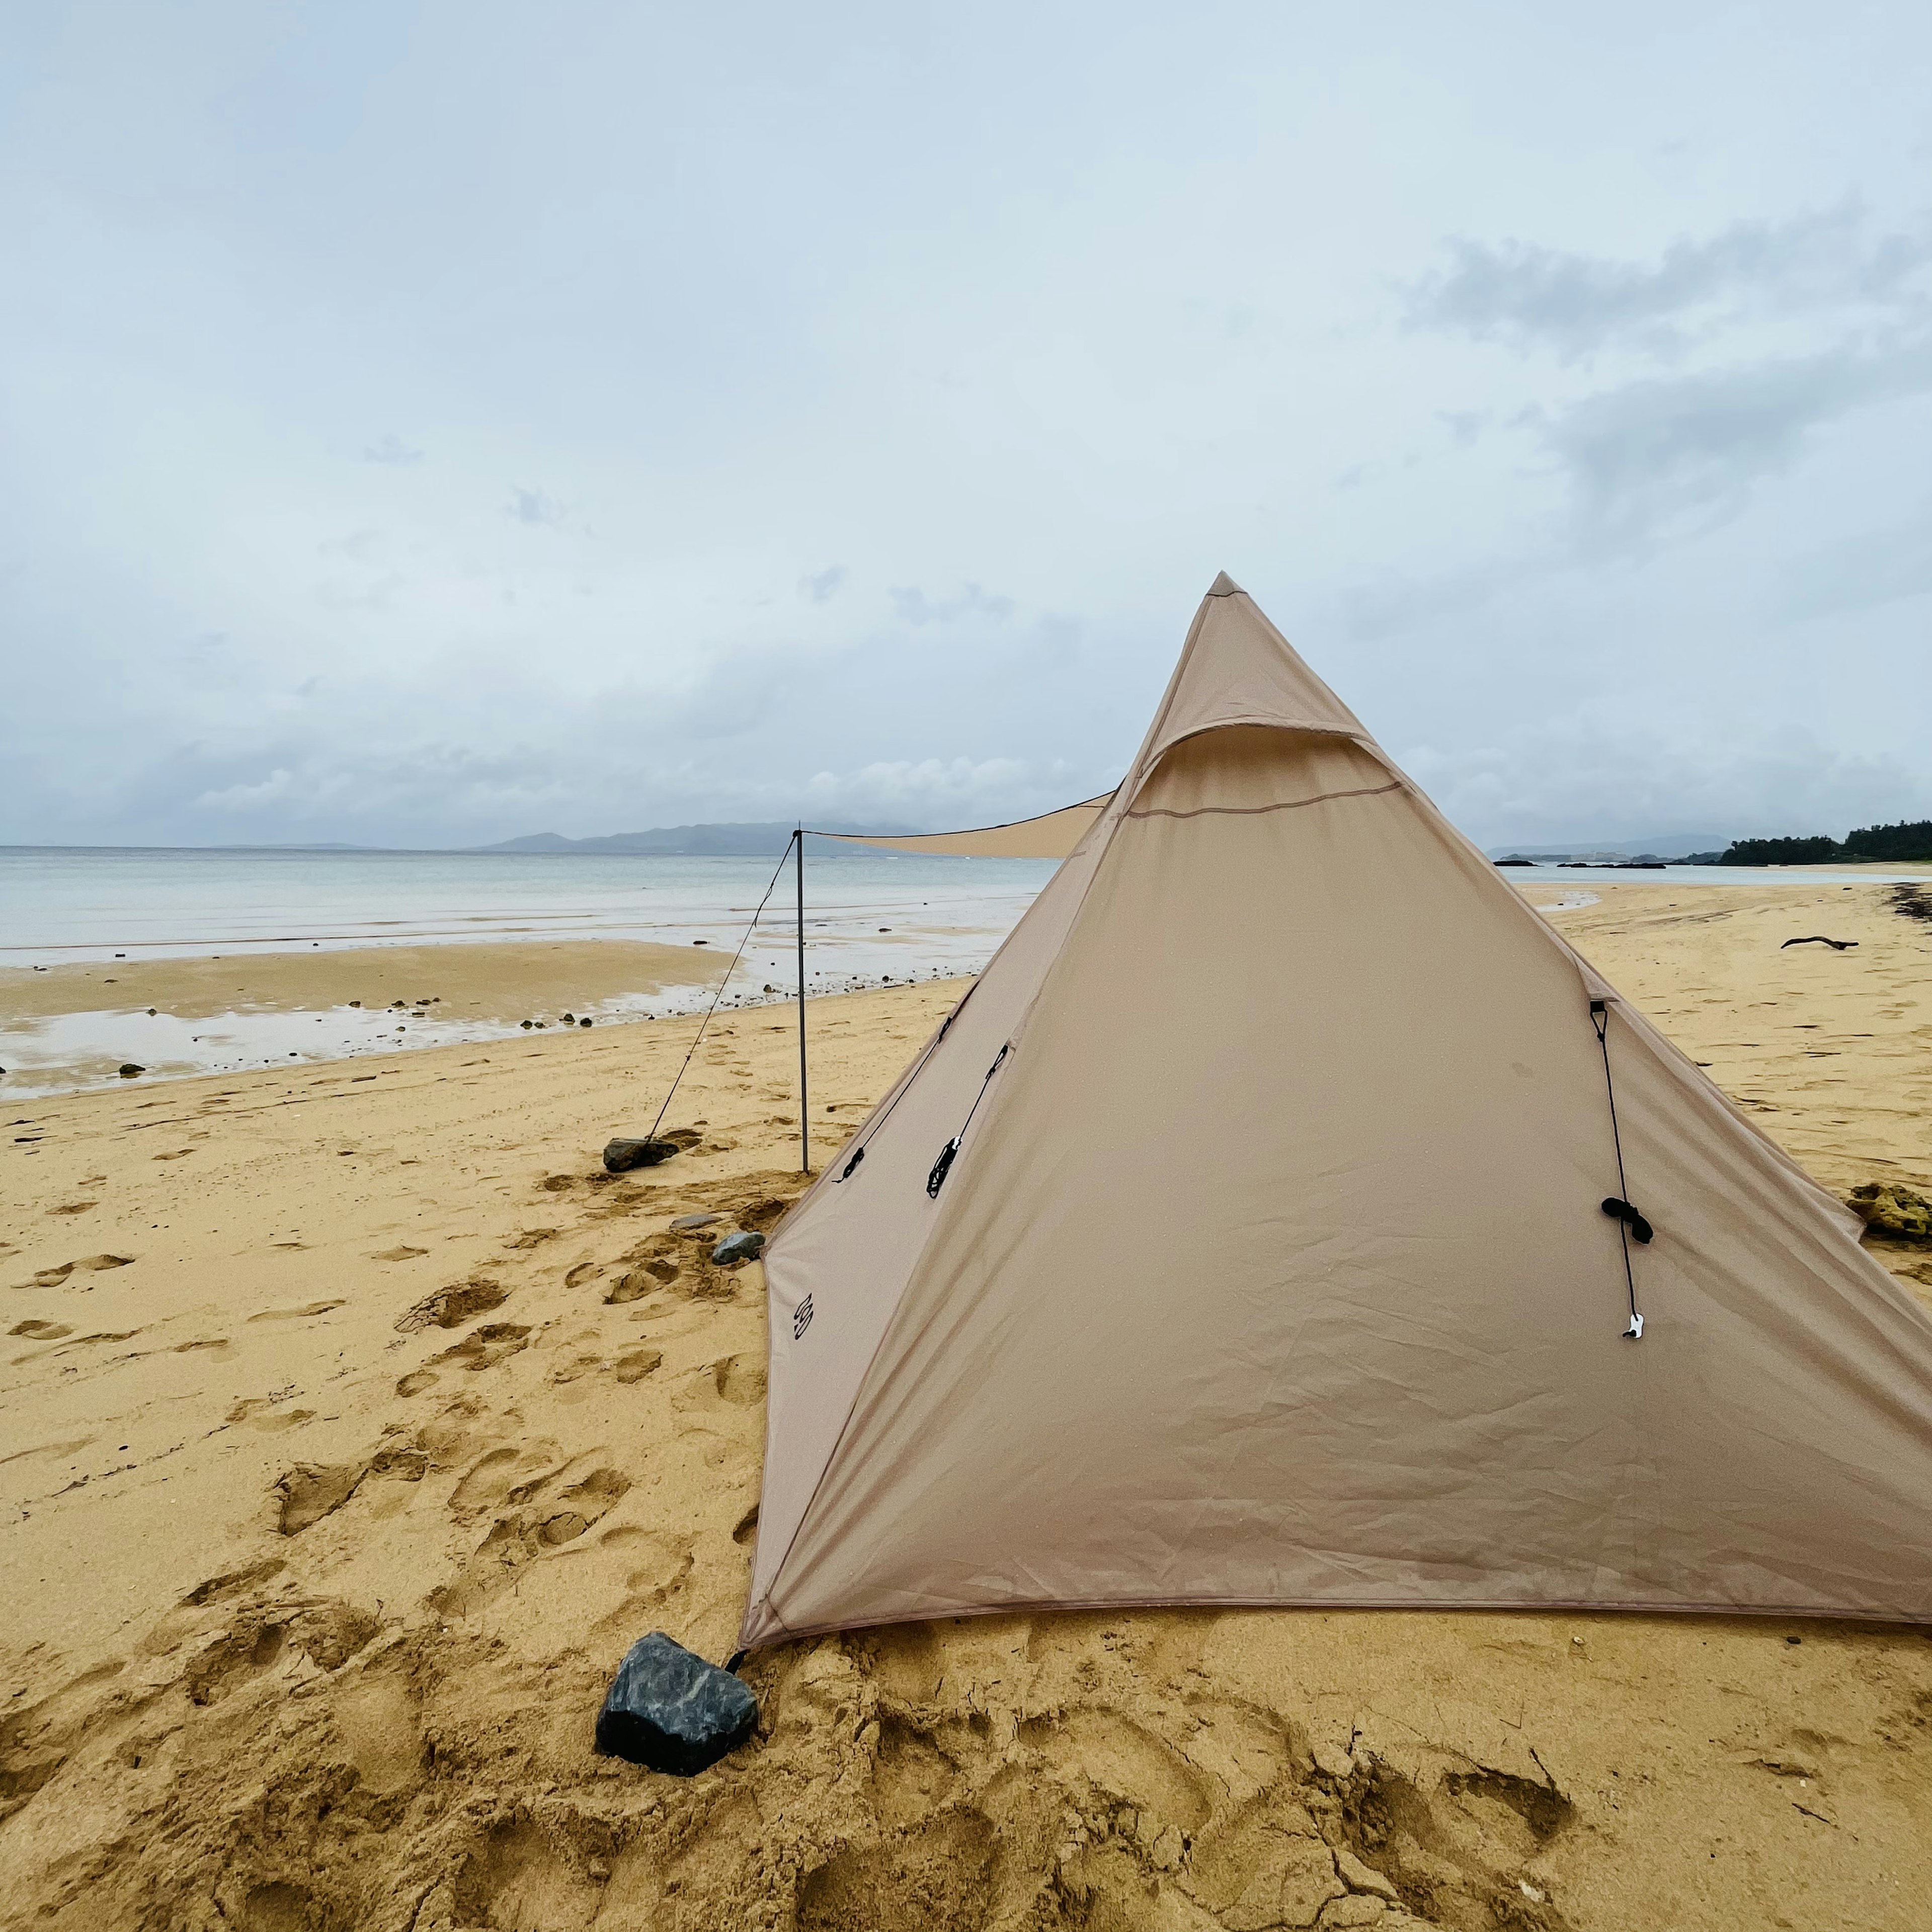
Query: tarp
(1272, 1268)
(1051, 835)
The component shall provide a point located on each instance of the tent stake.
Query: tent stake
(804, 1098)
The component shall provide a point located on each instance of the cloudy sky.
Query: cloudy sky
(426, 424)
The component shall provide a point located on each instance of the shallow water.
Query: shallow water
(871, 918)
(59, 904)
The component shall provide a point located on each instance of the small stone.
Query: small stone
(583, 1023)
(1336, 1760)
(736, 1248)
(621, 1155)
(130, 1071)
(671, 1711)
(1892, 1212)
(686, 1222)
(597, 1868)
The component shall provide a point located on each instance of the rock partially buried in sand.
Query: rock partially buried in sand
(736, 1248)
(670, 1711)
(621, 1155)
(686, 1222)
(1893, 1213)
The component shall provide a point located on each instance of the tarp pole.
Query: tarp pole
(804, 1097)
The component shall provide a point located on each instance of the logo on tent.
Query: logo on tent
(801, 1318)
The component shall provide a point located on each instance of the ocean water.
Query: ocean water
(869, 916)
(947, 914)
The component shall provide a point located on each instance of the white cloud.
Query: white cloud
(1531, 295)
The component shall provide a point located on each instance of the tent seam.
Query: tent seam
(1256, 811)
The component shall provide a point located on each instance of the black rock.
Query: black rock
(130, 1071)
(736, 1248)
(670, 1711)
(620, 1156)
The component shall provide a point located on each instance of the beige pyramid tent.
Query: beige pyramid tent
(1272, 1266)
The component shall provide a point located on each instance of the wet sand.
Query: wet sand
(70, 1026)
(506, 980)
(356, 1422)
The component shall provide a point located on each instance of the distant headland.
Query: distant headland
(705, 841)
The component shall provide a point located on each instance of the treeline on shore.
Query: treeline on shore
(1891, 843)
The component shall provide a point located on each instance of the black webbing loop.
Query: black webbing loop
(1628, 1220)
(943, 1166)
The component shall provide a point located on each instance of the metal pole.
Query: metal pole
(804, 1096)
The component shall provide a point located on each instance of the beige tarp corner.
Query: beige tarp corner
(1271, 1267)
(1051, 835)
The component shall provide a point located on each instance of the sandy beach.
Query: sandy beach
(357, 1422)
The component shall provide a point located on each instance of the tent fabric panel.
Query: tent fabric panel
(851, 1245)
(1274, 1273)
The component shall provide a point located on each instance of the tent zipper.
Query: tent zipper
(943, 1166)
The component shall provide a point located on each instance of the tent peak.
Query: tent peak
(1225, 586)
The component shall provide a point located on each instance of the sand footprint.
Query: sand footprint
(506, 1475)
(579, 1506)
(310, 1491)
(636, 1364)
(484, 1347)
(451, 1307)
(52, 1277)
(259, 1412)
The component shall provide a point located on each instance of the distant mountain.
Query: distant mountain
(706, 842)
(1664, 845)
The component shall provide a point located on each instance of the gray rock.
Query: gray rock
(736, 1248)
(671, 1710)
(621, 1155)
(685, 1222)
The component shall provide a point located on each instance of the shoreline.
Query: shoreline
(69, 1028)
